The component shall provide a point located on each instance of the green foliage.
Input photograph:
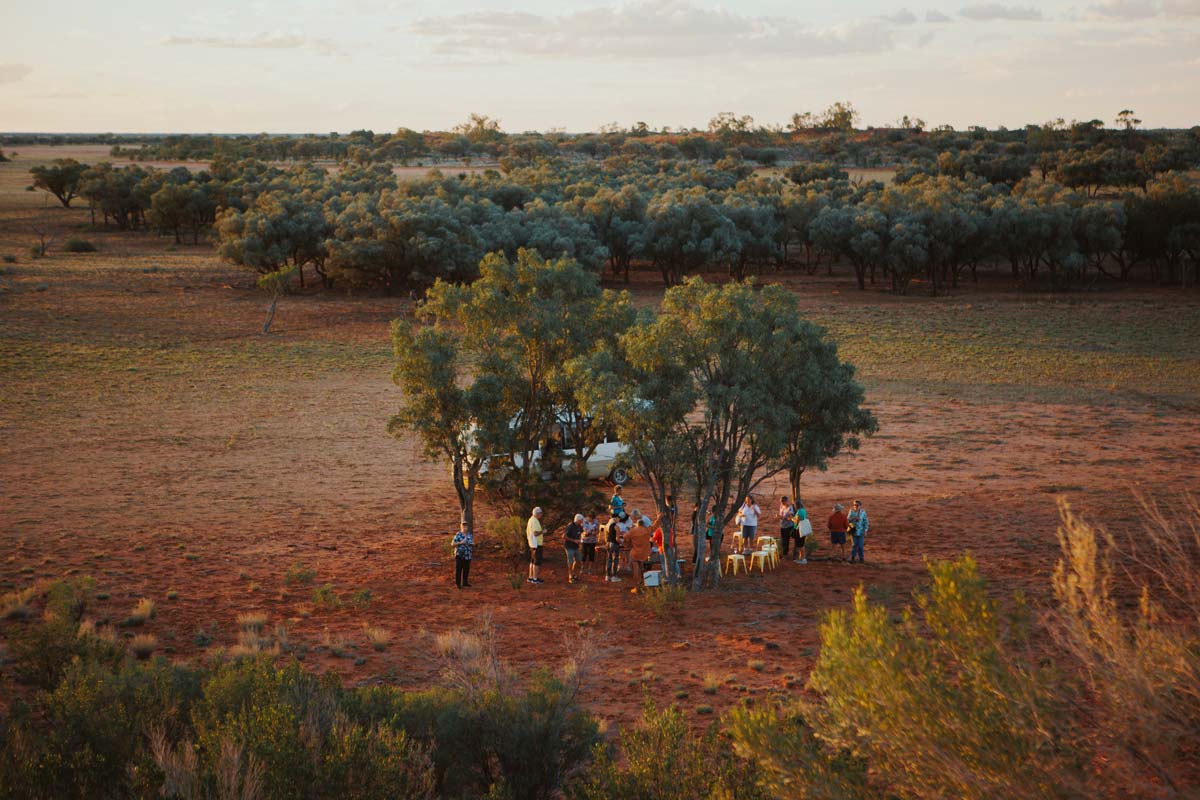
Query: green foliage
(62, 179)
(299, 573)
(665, 601)
(988, 719)
(326, 596)
(665, 758)
(509, 534)
(75, 245)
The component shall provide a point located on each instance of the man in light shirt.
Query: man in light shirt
(533, 535)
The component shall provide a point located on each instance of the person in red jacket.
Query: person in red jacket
(837, 530)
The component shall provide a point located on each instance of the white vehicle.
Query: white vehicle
(605, 462)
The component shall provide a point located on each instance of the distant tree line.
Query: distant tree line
(1106, 203)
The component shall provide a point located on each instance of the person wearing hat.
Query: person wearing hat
(837, 529)
(533, 536)
(572, 538)
(858, 532)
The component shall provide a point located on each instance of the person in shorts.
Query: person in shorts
(572, 542)
(591, 537)
(838, 523)
(747, 517)
(533, 537)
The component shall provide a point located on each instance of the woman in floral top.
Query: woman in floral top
(463, 543)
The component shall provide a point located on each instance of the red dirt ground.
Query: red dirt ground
(152, 439)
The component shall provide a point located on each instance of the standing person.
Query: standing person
(572, 541)
(638, 543)
(787, 524)
(624, 526)
(858, 518)
(747, 517)
(591, 536)
(804, 530)
(533, 536)
(617, 504)
(462, 543)
(612, 540)
(838, 523)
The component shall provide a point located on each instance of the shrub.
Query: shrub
(662, 744)
(253, 621)
(665, 601)
(43, 652)
(377, 637)
(326, 596)
(142, 612)
(299, 573)
(75, 245)
(509, 534)
(142, 645)
(9, 258)
(361, 599)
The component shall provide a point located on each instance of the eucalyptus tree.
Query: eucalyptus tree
(280, 228)
(706, 377)
(397, 241)
(686, 231)
(60, 179)
(529, 324)
(618, 218)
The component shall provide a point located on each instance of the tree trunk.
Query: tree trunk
(270, 313)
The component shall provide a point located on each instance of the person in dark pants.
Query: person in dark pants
(612, 539)
(463, 542)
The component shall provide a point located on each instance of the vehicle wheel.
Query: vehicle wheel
(619, 476)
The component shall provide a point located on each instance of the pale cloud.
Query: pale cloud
(984, 12)
(11, 73)
(259, 41)
(936, 16)
(901, 17)
(646, 30)
(1144, 9)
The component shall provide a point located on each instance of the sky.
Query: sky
(247, 66)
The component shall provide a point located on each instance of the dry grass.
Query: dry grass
(252, 621)
(377, 637)
(142, 612)
(143, 645)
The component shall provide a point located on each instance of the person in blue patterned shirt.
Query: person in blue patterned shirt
(858, 534)
(463, 543)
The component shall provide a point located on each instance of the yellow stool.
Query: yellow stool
(738, 543)
(733, 560)
(772, 550)
(760, 557)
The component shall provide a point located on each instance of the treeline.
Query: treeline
(361, 228)
(828, 135)
(962, 695)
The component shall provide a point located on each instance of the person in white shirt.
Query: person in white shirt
(533, 535)
(747, 517)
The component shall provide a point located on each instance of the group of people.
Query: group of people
(795, 526)
(631, 540)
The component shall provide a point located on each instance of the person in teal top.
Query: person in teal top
(617, 504)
